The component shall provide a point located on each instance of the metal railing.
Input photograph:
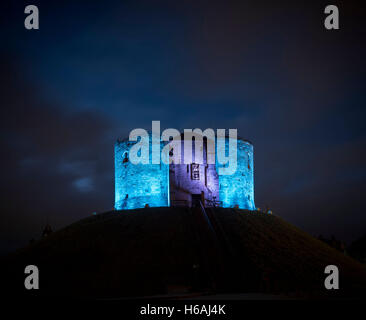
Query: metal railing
(207, 219)
(185, 203)
(213, 203)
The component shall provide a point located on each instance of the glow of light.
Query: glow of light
(139, 184)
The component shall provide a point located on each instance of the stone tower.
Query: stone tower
(138, 185)
(163, 185)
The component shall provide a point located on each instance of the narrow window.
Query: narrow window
(195, 171)
(125, 157)
(204, 149)
(206, 176)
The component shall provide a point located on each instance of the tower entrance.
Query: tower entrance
(196, 198)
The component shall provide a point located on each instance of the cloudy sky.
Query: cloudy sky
(96, 70)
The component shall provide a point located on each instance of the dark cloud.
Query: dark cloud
(54, 162)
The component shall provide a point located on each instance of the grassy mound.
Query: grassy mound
(288, 259)
(169, 250)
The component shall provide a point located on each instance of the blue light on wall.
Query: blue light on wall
(238, 189)
(138, 185)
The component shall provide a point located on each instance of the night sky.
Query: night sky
(96, 70)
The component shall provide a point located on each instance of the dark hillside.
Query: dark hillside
(287, 258)
(116, 253)
(173, 250)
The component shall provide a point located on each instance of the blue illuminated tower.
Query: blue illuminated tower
(238, 189)
(138, 185)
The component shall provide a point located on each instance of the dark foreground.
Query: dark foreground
(175, 252)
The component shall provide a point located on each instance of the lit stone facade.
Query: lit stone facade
(238, 189)
(162, 185)
(138, 185)
(197, 179)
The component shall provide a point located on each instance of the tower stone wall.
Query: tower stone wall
(196, 178)
(137, 185)
(157, 185)
(238, 189)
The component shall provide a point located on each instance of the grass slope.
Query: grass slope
(156, 250)
(291, 259)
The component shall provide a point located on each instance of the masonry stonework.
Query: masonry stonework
(163, 185)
